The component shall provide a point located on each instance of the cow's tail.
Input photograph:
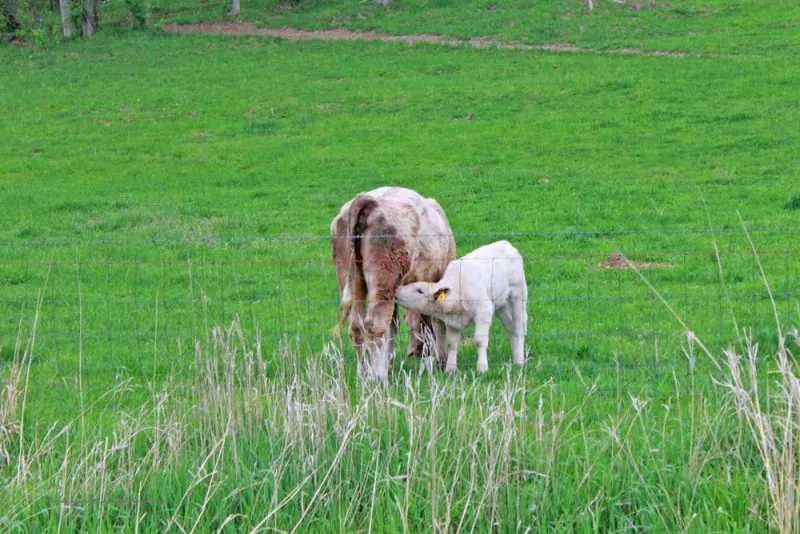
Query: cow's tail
(342, 258)
(354, 281)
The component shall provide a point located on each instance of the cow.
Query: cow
(486, 282)
(381, 239)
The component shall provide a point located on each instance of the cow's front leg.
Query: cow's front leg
(419, 329)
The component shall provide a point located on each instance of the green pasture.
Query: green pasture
(155, 186)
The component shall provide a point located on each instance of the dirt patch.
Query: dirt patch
(643, 5)
(621, 263)
(292, 34)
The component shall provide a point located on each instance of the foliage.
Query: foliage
(32, 21)
(139, 12)
(38, 22)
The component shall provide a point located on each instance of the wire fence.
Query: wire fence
(133, 308)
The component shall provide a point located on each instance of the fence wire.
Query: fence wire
(133, 309)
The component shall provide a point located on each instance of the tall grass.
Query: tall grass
(279, 441)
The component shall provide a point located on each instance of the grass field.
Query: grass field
(167, 293)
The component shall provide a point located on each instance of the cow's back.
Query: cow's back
(422, 226)
(419, 223)
(437, 244)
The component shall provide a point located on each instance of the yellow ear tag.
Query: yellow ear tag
(440, 296)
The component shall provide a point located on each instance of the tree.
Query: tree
(8, 14)
(91, 16)
(234, 8)
(66, 18)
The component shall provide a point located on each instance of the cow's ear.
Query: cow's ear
(441, 293)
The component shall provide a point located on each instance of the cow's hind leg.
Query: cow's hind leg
(378, 329)
(384, 263)
(378, 324)
(357, 311)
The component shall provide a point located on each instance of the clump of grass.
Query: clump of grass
(772, 418)
(794, 203)
(9, 403)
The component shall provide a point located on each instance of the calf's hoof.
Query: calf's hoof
(483, 367)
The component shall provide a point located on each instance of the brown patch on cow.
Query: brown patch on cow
(621, 263)
(385, 256)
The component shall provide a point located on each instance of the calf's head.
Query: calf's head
(425, 298)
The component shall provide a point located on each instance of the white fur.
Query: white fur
(486, 282)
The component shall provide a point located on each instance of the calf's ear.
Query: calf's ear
(441, 293)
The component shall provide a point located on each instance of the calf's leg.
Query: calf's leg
(520, 327)
(483, 322)
(439, 347)
(506, 316)
(453, 337)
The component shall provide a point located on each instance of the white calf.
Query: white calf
(486, 282)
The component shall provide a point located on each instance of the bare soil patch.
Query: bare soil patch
(621, 263)
(292, 34)
(643, 5)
